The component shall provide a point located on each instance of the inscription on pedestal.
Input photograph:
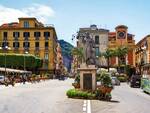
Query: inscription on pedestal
(87, 81)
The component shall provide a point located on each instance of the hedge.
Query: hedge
(74, 93)
(17, 60)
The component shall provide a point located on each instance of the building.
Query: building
(100, 37)
(32, 37)
(119, 38)
(59, 65)
(142, 56)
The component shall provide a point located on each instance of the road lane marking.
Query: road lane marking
(88, 106)
(84, 106)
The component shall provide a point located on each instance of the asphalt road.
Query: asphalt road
(50, 97)
(125, 100)
(43, 97)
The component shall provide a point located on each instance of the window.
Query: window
(26, 44)
(46, 56)
(96, 39)
(16, 34)
(26, 24)
(46, 44)
(4, 44)
(37, 34)
(16, 44)
(26, 34)
(97, 51)
(46, 34)
(5, 34)
(46, 65)
(36, 44)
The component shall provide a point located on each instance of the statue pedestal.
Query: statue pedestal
(87, 77)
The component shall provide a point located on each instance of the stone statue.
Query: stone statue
(89, 50)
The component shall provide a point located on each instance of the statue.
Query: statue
(89, 50)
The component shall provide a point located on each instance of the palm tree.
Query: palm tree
(121, 52)
(79, 53)
(109, 54)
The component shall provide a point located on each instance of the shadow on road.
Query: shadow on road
(114, 101)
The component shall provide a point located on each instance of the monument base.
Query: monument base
(87, 77)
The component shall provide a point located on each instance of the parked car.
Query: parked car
(135, 81)
(115, 81)
(1, 79)
(5, 81)
(145, 85)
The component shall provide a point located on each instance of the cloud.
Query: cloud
(41, 12)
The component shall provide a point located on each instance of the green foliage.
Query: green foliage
(74, 93)
(122, 78)
(17, 60)
(105, 79)
(78, 52)
(66, 48)
(77, 78)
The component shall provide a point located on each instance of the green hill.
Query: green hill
(66, 52)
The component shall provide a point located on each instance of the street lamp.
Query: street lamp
(5, 48)
(26, 52)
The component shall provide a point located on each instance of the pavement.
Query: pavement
(44, 97)
(125, 100)
(50, 97)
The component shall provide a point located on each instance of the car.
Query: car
(135, 81)
(115, 81)
(2, 79)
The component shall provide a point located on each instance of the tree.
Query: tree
(120, 52)
(79, 53)
(108, 54)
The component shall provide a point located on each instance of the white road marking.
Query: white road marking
(88, 106)
(84, 106)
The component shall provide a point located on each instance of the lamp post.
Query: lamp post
(5, 48)
(26, 52)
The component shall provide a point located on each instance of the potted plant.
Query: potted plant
(106, 85)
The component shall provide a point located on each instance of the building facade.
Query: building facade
(142, 56)
(100, 37)
(59, 65)
(32, 37)
(119, 38)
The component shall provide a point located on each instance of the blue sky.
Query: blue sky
(69, 15)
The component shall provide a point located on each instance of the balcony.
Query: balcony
(46, 48)
(46, 38)
(36, 38)
(5, 39)
(15, 38)
(37, 48)
(26, 38)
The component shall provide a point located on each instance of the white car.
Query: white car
(115, 81)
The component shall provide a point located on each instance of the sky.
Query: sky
(70, 15)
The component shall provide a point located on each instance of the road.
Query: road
(50, 97)
(43, 97)
(125, 100)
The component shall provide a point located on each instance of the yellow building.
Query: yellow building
(142, 56)
(32, 37)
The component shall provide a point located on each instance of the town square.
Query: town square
(63, 56)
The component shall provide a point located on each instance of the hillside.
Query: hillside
(66, 52)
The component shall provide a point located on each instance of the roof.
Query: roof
(121, 26)
(143, 39)
(10, 25)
